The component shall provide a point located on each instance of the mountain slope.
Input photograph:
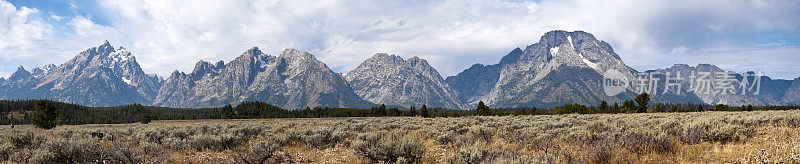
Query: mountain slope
(563, 68)
(99, 76)
(792, 95)
(17, 85)
(293, 80)
(391, 80)
(474, 83)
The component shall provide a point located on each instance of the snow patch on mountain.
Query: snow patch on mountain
(126, 80)
(554, 50)
(569, 38)
(120, 55)
(589, 63)
(261, 63)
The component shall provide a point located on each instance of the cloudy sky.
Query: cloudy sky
(451, 35)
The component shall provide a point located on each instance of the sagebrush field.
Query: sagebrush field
(698, 137)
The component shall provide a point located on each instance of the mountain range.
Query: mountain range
(562, 68)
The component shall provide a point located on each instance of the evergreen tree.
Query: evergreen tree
(603, 106)
(44, 115)
(227, 112)
(483, 110)
(615, 108)
(424, 111)
(145, 118)
(412, 112)
(628, 106)
(382, 110)
(721, 107)
(642, 100)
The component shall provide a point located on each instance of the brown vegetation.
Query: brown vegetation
(718, 137)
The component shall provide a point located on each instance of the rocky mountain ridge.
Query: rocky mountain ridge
(562, 68)
(391, 80)
(292, 80)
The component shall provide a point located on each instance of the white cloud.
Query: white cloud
(451, 34)
(83, 26)
(21, 30)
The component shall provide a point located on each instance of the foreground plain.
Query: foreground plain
(698, 137)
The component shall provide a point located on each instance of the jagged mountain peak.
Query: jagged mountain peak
(292, 80)
(21, 68)
(176, 73)
(685, 68)
(293, 53)
(708, 67)
(98, 76)
(530, 76)
(203, 68)
(20, 75)
(253, 51)
(38, 72)
(476, 65)
(252, 59)
(220, 64)
(385, 56)
(416, 61)
(105, 47)
(391, 80)
(511, 57)
(121, 55)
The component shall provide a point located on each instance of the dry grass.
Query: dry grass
(707, 137)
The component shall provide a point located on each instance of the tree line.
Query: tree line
(48, 114)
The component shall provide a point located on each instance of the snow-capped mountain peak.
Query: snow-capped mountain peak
(120, 55)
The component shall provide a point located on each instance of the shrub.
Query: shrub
(144, 118)
(643, 143)
(6, 149)
(476, 153)
(124, 153)
(215, 142)
(260, 152)
(201, 142)
(388, 147)
(68, 151)
(714, 131)
(602, 152)
(481, 133)
(318, 138)
(25, 140)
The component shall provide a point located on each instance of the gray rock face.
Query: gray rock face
(770, 91)
(773, 91)
(475, 83)
(792, 95)
(388, 79)
(99, 76)
(563, 68)
(39, 72)
(567, 67)
(293, 80)
(708, 94)
(17, 84)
